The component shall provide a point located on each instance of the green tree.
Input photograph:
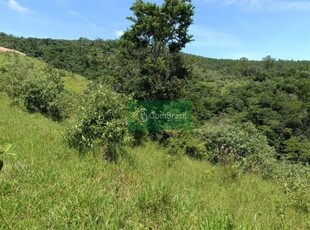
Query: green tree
(150, 50)
(297, 150)
(269, 62)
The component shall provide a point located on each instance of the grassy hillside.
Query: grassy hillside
(8, 61)
(272, 94)
(47, 185)
(27, 80)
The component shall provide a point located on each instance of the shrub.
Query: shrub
(186, 144)
(297, 150)
(227, 142)
(294, 180)
(297, 194)
(195, 150)
(44, 96)
(37, 92)
(103, 121)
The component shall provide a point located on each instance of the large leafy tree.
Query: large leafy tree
(152, 67)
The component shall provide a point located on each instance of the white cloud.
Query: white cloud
(207, 37)
(265, 5)
(14, 5)
(73, 13)
(290, 6)
(118, 33)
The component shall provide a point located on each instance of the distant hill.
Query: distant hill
(85, 57)
(92, 58)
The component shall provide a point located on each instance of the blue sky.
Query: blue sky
(221, 29)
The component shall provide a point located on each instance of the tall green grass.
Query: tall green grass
(47, 185)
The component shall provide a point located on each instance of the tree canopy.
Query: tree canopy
(150, 49)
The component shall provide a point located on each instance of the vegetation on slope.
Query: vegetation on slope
(274, 95)
(39, 88)
(46, 184)
(250, 130)
(84, 57)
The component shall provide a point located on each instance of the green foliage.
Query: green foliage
(272, 94)
(296, 192)
(38, 92)
(44, 96)
(155, 201)
(88, 58)
(268, 100)
(294, 180)
(137, 127)
(227, 142)
(152, 66)
(231, 173)
(157, 27)
(35, 86)
(103, 120)
(185, 143)
(297, 150)
(89, 193)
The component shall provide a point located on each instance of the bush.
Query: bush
(103, 121)
(226, 142)
(297, 194)
(294, 180)
(44, 96)
(186, 144)
(37, 92)
(297, 150)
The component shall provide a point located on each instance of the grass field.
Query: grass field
(46, 185)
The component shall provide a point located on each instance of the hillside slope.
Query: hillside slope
(272, 94)
(6, 50)
(10, 63)
(47, 185)
(89, 58)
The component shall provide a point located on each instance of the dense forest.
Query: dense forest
(83, 56)
(272, 94)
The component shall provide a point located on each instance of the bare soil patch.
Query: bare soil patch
(6, 50)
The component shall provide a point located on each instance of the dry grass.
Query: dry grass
(6, 50)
